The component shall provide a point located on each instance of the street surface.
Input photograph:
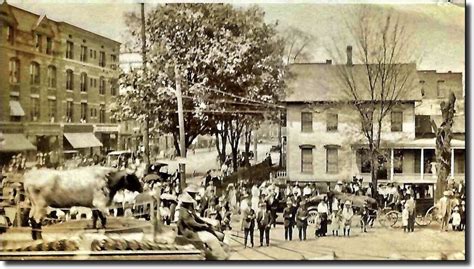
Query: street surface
(377, 244)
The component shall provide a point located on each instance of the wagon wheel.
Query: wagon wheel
(421, 220)
(312, 215)
(389, 219)
(432, 215)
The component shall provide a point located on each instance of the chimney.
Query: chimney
(349, 55)
(328, 61)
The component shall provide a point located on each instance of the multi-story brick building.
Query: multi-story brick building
(56, 80)
(324, 135)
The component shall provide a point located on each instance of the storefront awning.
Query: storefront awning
(15, 143)
(82, 140)
(16, 109)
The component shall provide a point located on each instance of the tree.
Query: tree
(383, 76)
(443, 144)
(297, 45)
(231, 60)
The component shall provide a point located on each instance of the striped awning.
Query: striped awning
(15, 143)
(82, 140)
(16, 109)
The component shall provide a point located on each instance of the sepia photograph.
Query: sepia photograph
(308, 131)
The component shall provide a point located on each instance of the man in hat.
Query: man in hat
(288, 220)
(410, 205)
(338, 187)
(264, 221)
(307, 191)
(248, 223)
(296, 189)
(445, 210)
(302, 220)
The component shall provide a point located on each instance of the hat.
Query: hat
(339, 182)
(262, 204)
(186, 198)
(456, 208)
(447, 193)
(348, 202)
(191, 189)
(289, 202)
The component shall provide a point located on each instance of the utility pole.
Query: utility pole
(182, 143)
(255, 142)
(280, 144)
(146, 137)
(154, 213)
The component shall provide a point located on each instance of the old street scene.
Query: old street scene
(232, 131)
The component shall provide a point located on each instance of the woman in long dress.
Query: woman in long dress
(255, 197)
(232, 196)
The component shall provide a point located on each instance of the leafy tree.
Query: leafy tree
(230, 61)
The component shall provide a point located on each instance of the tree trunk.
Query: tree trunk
(443, 145)
(222, 147)
(248, 136)
(176, 144)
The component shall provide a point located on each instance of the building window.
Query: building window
(69, 50)
(307, 160)
(398, 161)
(35, 109)
(397, 121)
(95, 54)
(69, 111)
(83, 82)
(84, 112)
(441, 89)
(69, 80)
(331, 160)
(10, 34)
(422, 88)
(14, 70)
(49, 46)
(102, 59)
(83, 54)
(331, 122)
(34, 73)
(364, 160)
(38, 43)
(52, 110)
(51, 76)
(113, 58)
(306, 121)
(102, 86)
(102, 113)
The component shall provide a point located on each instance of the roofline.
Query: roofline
(442, 73)
(61, 22)
(85, 30)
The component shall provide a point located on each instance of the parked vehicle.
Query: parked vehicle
(113, 158)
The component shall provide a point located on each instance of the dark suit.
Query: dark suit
(288, 222)
(302, 222)
(248, 222)
(264, 220)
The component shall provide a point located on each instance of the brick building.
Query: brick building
(56, 80)
(324, 139)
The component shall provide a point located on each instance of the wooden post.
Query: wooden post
(255, 142)
(391, 164)
(452, 162)
(146, 137)
(422, 161)
(182, 143)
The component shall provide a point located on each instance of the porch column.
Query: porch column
(391, 164)
(452, 162)
(422, 167)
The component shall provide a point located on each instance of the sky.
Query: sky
(438, 29)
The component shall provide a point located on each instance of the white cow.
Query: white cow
(92, 187)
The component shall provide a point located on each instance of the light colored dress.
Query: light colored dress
(405, 216)
(347, 215)
(255, 198)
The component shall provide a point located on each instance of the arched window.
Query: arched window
(35, 78)
(69, 80)
(14, 68)
(52, 76)
(83, 82)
